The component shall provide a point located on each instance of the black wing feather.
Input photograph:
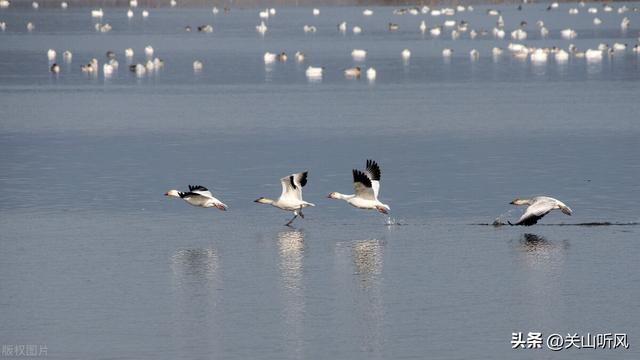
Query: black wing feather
(292, 182)
(359, 176)
(303, 179)
(197, 188)
(374, 170)
(530, 220)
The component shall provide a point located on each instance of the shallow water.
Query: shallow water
(98, 264)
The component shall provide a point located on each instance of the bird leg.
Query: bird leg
(294, 217)
(300, 213)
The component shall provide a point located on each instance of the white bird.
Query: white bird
(64, 5)
(539, 56)
(435, 32)
(597, 21)
(198, 196)
(367, 12)
(539, 206)
(371, 74)
(593, 55)
(269, 58)
(35, 5)
(3, 26)
(562, 56)
(314, 72)
(264, 14)
(262, 28)
(366, 186)
(519, 34)
(342, 27)
(173, 3)
(474, 54)
(133, 3)
(496, 52)
(356, 29)
(358, 54)
(97, 13)
(148, 50)
(215, 10)
(51, 54)
(197, 65)
(291, 197)
(406, 54)
(309, 29)
(107, 70)
(30, 26)
(446, 52)
(316, 12)
(128, 52)
(129, 13)
(568, 33)
(423, 26)
(67, 56)
(299, 56)
(624, 24)
(145, 13)
(55, 68)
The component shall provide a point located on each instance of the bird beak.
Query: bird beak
(166, 194)
(256, 200)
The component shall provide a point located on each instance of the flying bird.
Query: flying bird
(539, 206)
(198, 196)
(366, 186)
(291, 197)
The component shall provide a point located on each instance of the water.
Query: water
(98, 264)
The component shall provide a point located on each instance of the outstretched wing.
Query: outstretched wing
(292, 185)
(200, 190)
(373, 173)
(362, 185)
(535, 212)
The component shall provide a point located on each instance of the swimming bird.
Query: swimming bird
(358, 54)
(539, 206)
(67, 56)
(51, 55)
(128, 52)
(352, 73)
(366, 186)
(291, 197)
(314, 72)
(197, 65)
(148, 50)
(198, 196)
(55, 68)
(371, 74)
(299, 56)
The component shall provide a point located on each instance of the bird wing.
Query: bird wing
(535, 212)
(362, 185)
(373, 173)
(292, 185)
(200, 190)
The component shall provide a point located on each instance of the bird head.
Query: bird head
(262, 200)
(172, 193)
(333, 195)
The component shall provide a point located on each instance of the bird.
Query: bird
(291, 197)
(55, 68)
(366, 185)
(352, 73)
(539, 206)
(198, 196)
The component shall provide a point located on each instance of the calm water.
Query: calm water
(96, 263)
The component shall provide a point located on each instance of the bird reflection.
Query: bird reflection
(538, 251)
(365, 258)
(291, 251)
(542, 272)
(196, 275)
(368, 257)
(194, 265)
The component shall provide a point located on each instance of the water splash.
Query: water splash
(391, 221)
(501, 219)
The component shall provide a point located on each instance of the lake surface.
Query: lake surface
(98, 264)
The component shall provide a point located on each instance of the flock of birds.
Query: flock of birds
(455, 28)
(366, 186)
